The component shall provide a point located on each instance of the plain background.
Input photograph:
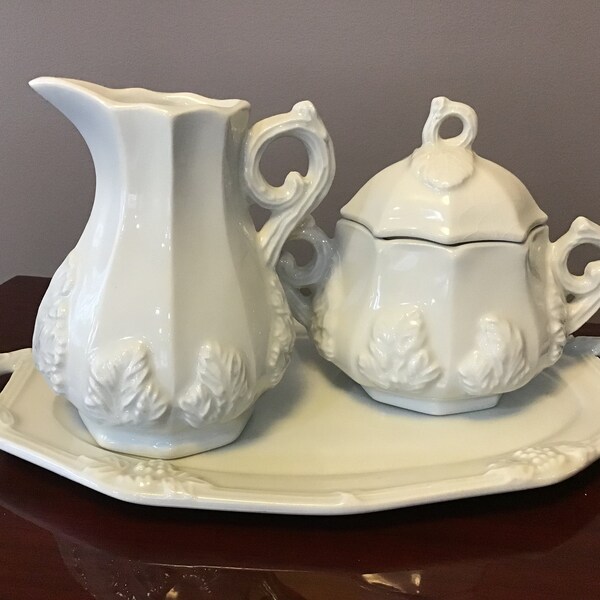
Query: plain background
(531, 69)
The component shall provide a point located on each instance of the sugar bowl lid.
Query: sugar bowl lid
(444, 192)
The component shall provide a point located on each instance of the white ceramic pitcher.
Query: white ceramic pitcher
(167, 320)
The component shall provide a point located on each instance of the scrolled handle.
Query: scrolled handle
(291, 202)
(294, 277)
(584, 289)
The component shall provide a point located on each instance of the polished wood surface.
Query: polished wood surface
(61, 540)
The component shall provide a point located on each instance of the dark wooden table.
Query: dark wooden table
(61, 540)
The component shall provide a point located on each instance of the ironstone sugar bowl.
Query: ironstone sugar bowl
(441, 289)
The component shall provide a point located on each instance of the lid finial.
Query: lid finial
(444, 163)
(443, 109)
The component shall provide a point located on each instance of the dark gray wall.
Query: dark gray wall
(531, 69)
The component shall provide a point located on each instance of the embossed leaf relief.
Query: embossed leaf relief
(282, 335)
(150, 475)
(50, 345)
(123, 390)
(221, 390)
(319, 330)
(399, 357)
(498, 360)
(557, 319)
(51, 335)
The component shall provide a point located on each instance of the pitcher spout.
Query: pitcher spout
(88, 107)
(75, 99)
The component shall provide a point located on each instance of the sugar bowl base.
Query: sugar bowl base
(433, 407)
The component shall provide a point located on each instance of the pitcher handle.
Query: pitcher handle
(298, 196)
(583, 290)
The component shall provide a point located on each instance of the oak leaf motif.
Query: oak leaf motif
(123, 390)
(220, 391)
(498, 360)
(398, 357)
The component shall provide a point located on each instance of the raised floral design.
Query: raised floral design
(52, 328)
(399, 357)
(542, 459)
(539, 462)
(498, 361)
(123, 389)
(221, 390)
(147, 475)
(282, 334)
(442, 166)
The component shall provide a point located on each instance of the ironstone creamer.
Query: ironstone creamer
(167, 320)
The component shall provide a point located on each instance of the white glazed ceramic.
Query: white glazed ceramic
(441, 290)
(317, 445)
(167, 321)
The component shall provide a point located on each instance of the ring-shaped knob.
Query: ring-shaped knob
(443, 109)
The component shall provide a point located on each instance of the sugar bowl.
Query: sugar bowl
(441, 289)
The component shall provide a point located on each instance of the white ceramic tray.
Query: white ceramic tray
(317, 444)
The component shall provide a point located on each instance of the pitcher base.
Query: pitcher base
(151, 444)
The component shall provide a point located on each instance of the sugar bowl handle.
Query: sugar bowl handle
(291, 202)
(582, 291)
(296, 278)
